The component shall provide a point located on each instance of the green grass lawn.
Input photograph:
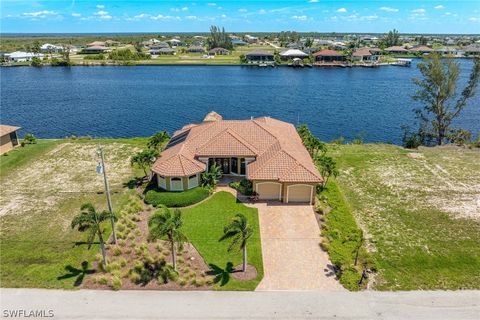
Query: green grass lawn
(417, 210)
(203, 225)
(186, 198)
(42, 190)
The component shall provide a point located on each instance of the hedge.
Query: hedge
(176, 199)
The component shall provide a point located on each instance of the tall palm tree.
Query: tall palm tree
(239, 231)
(89, 220)
(164, 223)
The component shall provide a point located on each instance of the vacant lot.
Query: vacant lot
(39, 197)
(420, 211)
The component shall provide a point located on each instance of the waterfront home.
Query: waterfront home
(162, 51)
(238, 42)
(50, 48)
(296, 45)
(175, 42)
(266, 151)
(8, 138)
(329, 56)
(259, 56)
(97, 44)
(450, 51)
(218, 52)
(21, 56)
(292, 53)
(396, 50)
(366, 54)
(150, 42)
(96, 49)
(251, 39)
(196, 49)
(421, 50)
(159, 45)
(472, 50)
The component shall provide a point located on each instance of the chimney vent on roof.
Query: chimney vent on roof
(212, 116)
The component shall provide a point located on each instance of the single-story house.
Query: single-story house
(293, 53)
(96, 49)
(251, 39)
(159, 45)
(162, 51)
(218, 52)
(266, 151)
(112, 43)
(328, 55)
(8, 138)
(450, 51)
(238, 42)
(295, 45)
(175, 42)
(196, 49)
(421, 49)
(47, 47)
(97, 44)
(396, 50)
(22, 56)
(150, 42)
(366, 54)
(472, 50)
(259, 56)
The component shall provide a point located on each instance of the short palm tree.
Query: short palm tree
(164, 223)
(89, 220)
(239, 232)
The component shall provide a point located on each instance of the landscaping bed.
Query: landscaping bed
(158, 197)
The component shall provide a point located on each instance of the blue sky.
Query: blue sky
(421, 16)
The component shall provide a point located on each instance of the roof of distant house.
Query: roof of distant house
(96, 43)
(396, 48)
(5, 129)
(259, 53)
(293, 53)
(278, 149)
(328, 52)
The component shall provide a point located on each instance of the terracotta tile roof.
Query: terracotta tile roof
(327, 52)
(4, 129)
(278, 150)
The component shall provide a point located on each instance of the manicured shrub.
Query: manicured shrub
(117, 251)
(134, 277)
(243, 186)
(116, 283)
(176, 199)
(103, 280)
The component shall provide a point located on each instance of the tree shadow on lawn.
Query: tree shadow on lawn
(78, 274)
(134, 183)
(221, 276)
(83, 243)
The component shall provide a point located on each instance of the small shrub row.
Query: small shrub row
(176, 199)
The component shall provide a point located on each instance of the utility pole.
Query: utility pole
(101, 169)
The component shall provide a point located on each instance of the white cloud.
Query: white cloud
(262, 11)
(474, 19)
(191, 17)
(101, 13)
(162, 17)
(342, 10)
(223, 16)
(179, 9)
(439, 7)
(76, 15)
(100, 6)
(242, 10)
(313, 1)
(419, 11)
(389, 9)
(39, 14)
(141, 16)
(300, 18)
(211, 4)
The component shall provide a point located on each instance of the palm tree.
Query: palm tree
(158, 140)
(165, 224)
(90, 220)
(239, 231)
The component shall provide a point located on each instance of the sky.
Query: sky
(375, 16)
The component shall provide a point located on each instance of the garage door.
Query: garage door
(269, 190)
(299, 193)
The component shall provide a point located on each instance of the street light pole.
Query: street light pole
(107, 190)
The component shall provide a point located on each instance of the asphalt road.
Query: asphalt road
(89, 304)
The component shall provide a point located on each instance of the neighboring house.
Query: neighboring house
(96, 49)
(21, 56)
(47, 47)
(97, 44)
(162, 51)
(293, 53)
(218, 52)
(450, 51)
(150, 42)
(238, 42)
(396, 50)
(8, 138)
(159, 45)
(266, 151)
(328, 55)
(196, 49)
(112, 43)
(259, 56)
(251, 39)
(366, 54)
(421, 49)
(175, 42)
(472, 50)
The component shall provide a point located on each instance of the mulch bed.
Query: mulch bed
(250, 274)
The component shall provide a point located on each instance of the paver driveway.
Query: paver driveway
(292, 257)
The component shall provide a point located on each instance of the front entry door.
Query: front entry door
(226, 166)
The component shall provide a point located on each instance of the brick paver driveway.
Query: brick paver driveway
(292, 257)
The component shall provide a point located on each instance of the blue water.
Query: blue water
(138, 101)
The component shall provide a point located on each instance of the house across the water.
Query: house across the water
(266, 151)
(8, 138)
(259, 56)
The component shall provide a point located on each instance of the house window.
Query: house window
(176, 184)
(242, 166)
(192, 181)
(162, 183)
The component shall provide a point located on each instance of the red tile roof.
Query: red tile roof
(277, 148)
(327, 52)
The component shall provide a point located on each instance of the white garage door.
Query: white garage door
(269, 190)
(299, 193)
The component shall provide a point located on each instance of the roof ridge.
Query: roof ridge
(243, 141)
(268, 160)
(300, 164)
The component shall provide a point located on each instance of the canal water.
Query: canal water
(138, 101)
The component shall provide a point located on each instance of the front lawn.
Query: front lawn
(203, 225)
(158, 197)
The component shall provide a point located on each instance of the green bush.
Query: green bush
(116, 283)
(176, 199)
(30, 139)
(127, 54)
(243, 186)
